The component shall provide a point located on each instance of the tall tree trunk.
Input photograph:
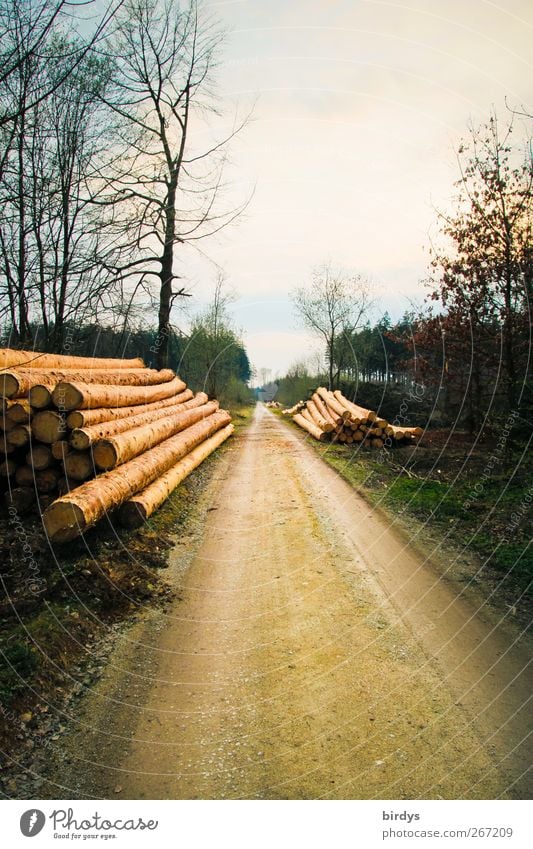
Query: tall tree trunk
(509, 331)
(166, 276)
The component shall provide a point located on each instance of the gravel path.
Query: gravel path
(312, 654)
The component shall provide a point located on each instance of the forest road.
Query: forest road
(312, 653)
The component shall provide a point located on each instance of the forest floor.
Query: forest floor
(314, 647)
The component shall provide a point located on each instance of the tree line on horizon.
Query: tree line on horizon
(467, 350)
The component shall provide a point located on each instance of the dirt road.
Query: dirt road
(312, 654)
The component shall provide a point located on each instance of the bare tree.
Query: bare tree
(164, 190)
(26, 28)
(333, 306)
(51, 242)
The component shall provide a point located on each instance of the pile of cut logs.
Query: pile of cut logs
(330, 417)
(83, 436)
(291, 411)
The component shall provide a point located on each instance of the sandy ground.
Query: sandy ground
(313, 653)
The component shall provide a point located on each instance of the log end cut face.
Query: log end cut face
(132, 515)
(105, 455)
(63, 521)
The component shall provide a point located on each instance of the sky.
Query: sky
(359, 107)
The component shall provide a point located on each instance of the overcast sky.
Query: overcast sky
(351, 147)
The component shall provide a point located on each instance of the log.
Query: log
(6, 424)
(48, 426)
(83, 396)
(79, 465)
(376, 443)
(11, 358)
(44, 500)
(89, 418)
(311, 428)
(398, 432)
(15, 384)
(323, 423)
(25, 476)
(40, 395)
(46, 480)
(414, 431)
(358, 412)
(138, 509)
(324, 411)
(112, 452)
(20, 498)
(307, 415)
(65, 485)
(19, 436)
(83, 438)
(8, 467)
(19, 412)
(74, 513)
(60, 449)
(333, 403)
(39, 456)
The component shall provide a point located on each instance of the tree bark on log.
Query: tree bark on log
(134, 512)
(360, 413)
(83, 396)
(83, 438)
(18, 384)
(112, 452)
(88, 418)
(74, 513)
(12, 359)
(325, 411)
(311, 428)
(321, 421)
(329, 398)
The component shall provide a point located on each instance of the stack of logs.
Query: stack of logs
(83, 436)
(330, 417)
(291, 411)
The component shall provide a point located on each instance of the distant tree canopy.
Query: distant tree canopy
(467, 353)
(216, 364)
